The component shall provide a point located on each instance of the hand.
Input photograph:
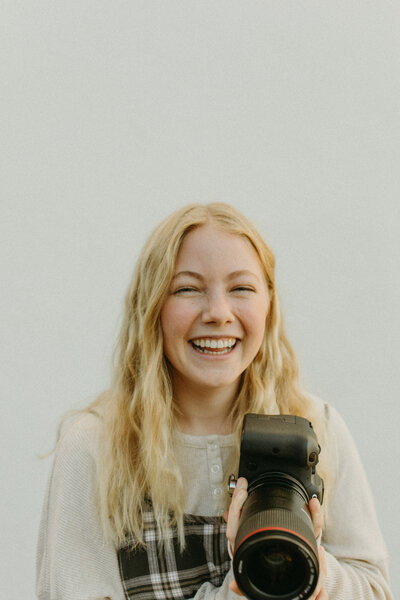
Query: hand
(318, 522)
(232, 517)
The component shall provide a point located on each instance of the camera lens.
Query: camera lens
(277, 568)
(275, 555)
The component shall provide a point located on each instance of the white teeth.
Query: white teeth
(223, 345)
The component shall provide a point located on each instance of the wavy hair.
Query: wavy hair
(136, 462)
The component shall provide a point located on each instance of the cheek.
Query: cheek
(256, 322)
(167, 324)
(175, 320)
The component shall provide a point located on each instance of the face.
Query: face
(213, 319)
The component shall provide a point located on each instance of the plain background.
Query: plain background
(116, 113)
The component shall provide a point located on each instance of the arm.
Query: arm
(355, 561)
(73, 559)
(356, 556)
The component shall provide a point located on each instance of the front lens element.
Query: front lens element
(277, 568)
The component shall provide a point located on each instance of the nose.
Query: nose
(217, 309)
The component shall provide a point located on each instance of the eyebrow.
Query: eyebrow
(232, 275)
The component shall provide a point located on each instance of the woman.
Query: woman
(137, 490)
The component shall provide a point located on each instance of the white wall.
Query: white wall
(116, 113)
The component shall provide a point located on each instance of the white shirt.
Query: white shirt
(75, 563)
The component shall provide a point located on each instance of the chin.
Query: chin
(214, 384)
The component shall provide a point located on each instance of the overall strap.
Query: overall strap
(148, 573)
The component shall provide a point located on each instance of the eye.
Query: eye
(185, 290)
(243, 288)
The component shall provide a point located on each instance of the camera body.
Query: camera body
(276, 555)
(284, 444)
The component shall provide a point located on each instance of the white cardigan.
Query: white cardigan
(75, 563)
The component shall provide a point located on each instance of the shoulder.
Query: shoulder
(333, 422)
(347, 473)
(338, 447)
(79, 441)
(338, 432)
(73, 472)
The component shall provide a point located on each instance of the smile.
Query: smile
(214, 346)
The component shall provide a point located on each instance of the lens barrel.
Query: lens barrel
(276, 554)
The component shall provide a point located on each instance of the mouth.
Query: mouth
(214, 346)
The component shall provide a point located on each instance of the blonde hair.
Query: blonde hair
(137, 462)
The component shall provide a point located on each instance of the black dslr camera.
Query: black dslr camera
(275, 555)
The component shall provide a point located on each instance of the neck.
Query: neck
(204, 411)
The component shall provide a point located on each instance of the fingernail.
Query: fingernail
(241, 483)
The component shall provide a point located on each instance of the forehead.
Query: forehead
(211, 248)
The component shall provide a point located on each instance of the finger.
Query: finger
(238, 499)
(233, 586)
(241, 484)
(235, 510)
(316, 516)
(322, 562)
(319, 592)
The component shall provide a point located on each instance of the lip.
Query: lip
(214, 337)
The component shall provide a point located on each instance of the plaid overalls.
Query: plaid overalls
(151, 575)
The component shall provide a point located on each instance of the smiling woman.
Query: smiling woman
(213, 323)
(136, 496)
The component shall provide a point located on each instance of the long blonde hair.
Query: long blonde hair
(137, 463)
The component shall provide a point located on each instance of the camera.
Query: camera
(275, 555)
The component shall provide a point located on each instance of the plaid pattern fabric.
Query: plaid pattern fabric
(153, 575)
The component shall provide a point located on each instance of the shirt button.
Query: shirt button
(215, 468)
(217, 492)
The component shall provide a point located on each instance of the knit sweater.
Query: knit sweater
(74, 562)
